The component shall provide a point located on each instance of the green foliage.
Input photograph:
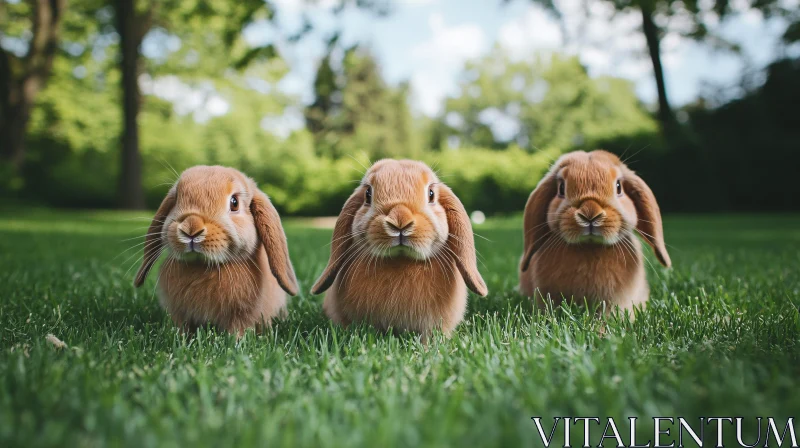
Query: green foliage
(67, 142)
(551, 97)
(742, 155)
(355, 111)
(73, 139)
(492, 181)
(720, 337)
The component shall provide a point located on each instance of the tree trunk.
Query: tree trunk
(19, 95)
(13, 128)
(651, 33)
(131, 193)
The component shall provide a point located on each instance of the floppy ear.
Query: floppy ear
(534, 223)
(649, 216)
(341, 241)
(270, 232)
(153, 242)
(461, 241)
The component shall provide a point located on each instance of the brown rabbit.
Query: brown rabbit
(580, 229)
(228, 263)
(402, 253)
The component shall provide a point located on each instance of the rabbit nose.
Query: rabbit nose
(400, 220)
(592, 219)
(192, 236)
(590, 213)
(192, 227)
(401, 227)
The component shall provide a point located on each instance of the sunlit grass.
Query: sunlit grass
(720, 338)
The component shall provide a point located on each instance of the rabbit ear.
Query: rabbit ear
(270, 232)
(153, 243)
(340, 242)
(461, 241)
(649, 216)
(534, 225)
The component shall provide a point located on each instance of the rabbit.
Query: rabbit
(228, 262)
(580, 227)
(402, 253)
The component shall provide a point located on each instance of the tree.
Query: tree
(694, 14)
(548, 101)
(653, 37)
(24, 75)
(132, 26)
(356, 111)
(134, 20)
(324, 117)
(189, 19)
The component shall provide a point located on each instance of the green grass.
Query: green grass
(719, 338)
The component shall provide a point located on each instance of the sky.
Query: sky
(428, 42)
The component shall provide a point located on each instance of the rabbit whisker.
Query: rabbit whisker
(350, 235)
(141, 236)
(536, 227)
(632, 250)
(481, 236)
(340, 257)
(241, 264)
(651, 236)
(461, 241)
(352, 252)
(352, 267)
(141, 218)
(451, 260)
(626, 150)
(442, 259)
(351, 263)
(177, 176)
(634, 155)
(160, 272)
(255, 265)
(135, 262)
(362, 165)
(144, 257)
(546, 235)
(147, 244)
(620, 252)
(552, 241)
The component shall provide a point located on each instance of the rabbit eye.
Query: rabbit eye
(619, 188)
(431, 195)
(234, 203)
(368, 196)
(562, 188)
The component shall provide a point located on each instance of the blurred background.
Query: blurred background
(101, 101)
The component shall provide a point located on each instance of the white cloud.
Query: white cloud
(282, 126)
(607, 42)
(450, 45)
(201, 101)
(439, 59)
(504, 126)
(433, 54)
(533, 31)
(303, 5)
(297, 83)
(611, 43)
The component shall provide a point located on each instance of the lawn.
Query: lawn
(719, 338)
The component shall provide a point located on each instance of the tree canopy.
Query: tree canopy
(547, 101)
(206, 95)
